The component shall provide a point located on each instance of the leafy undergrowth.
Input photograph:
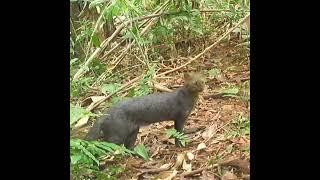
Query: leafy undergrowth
(217, 133)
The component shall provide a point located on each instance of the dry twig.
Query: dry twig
(208, 48)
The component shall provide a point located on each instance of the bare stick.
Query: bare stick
(92, 106)
(96, 28)
(208, 48)
(161, 88)
(103, 45)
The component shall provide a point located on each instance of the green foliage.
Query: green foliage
(87, 153)
(141, 151)
(110, 88)
(111, 172)
(144, 88)
(79, 87)
(241, 127)
(233, 91)
(77, 113)
(176, 26)
(172, 133)
(214, 72)
(230, 91)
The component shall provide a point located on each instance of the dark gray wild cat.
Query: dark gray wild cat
(120, 124)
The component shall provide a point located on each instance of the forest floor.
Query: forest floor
(218, 128)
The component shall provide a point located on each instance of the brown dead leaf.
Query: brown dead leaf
(82, 122)
(187, 167)
(96, 98)
(229, 176)
(201, 146)
(167, 175)
(171, 141)
(190, 156)
(165, 165)
(179, 161)
(209, 132)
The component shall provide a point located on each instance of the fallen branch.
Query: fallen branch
(92, 106)
(208, 48)
(161, 88)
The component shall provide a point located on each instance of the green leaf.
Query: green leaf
(110, 88)
(231, 91)
(170, 132)
(91, 156)
(95, 40)
(77, 113)
(141, 151)
(72, 61)
(214, 72)
(75, 159)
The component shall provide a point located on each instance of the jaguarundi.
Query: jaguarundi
(120, 124)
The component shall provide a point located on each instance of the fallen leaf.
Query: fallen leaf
(180, 159)
(185, 166)
(165, 165)
(201, 146)
(97, 98)
(229, 176)
(171, 141)
(82, 122)
(214, 141)
(209, 132)
(168, 175)
(190, 156)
